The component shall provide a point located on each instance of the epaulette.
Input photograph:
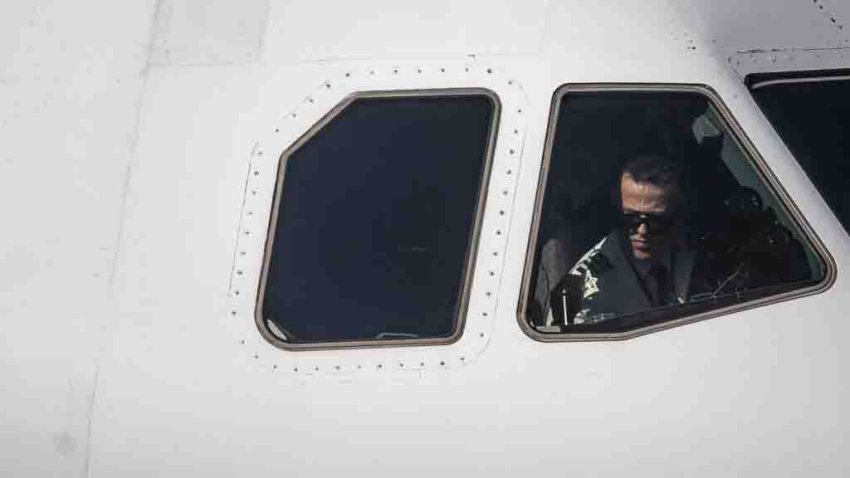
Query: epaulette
(594, 263)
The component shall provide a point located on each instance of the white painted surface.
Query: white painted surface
(70, 86)
(122, 174)
(199, 32)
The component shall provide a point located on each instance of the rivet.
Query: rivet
(242, 253)
(484, 314)
(508, 172)
(421, 363)
(419, 70)
(233, 313)
(463, 359)
(495, 253)
(395, 71)
(247, 233)
(516, 131)
(327, 86)
(242, 341)
(511, 151)
(519, 110)
(442, 362)
(260, 152)
(442, 70)
(466, 69)
(488, 293)
(235, 292)
(239, 272)
(316, 368)
(501, 212)
(295, 369)
(498, 232)
(277, 130)
(491, 273)
(274, 367)
(481, 335)
(294, 115)
(311, 100)
(256, 173)
(337, 367)
(380, 366)
(371, 72)
(256, 356)
(489, 70)
(510, 82)
(505, 192)
(401, 365)
(347, 74)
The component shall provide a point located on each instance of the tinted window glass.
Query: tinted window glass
(813, 118)
(652, 212)
(374, 227)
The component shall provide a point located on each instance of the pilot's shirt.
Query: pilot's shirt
(655, 278)
(614, 284)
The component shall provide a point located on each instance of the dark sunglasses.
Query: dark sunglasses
(655, 223)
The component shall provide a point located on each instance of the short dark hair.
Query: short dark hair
(658, 171)
(654, 169)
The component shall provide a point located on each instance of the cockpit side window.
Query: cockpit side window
(375, 221)
(651, 212)
(811, 112)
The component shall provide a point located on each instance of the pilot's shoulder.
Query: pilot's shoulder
(593, 262)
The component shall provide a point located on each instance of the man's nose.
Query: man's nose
(641, 230)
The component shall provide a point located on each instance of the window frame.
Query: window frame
(756, 161)
(472, 246)
(754, 81)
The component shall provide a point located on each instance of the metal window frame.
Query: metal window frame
(471, 246)
(778, 76)
(756, 161)
(794, 80)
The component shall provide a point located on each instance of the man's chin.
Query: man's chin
(641, 253)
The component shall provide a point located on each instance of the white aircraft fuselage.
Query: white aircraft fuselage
(139, 149)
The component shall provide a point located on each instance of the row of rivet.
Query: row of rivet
(254, 173)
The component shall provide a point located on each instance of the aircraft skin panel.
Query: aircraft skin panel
(303, 31)
(198, 33)
(782, 24)
(127, 174)
(70, 86)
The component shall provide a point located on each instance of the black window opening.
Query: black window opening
(811, 112)
(375, 223)
(652, 211)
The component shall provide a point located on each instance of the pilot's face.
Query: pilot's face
(647, 217)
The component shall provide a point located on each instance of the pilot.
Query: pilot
(643, 262)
